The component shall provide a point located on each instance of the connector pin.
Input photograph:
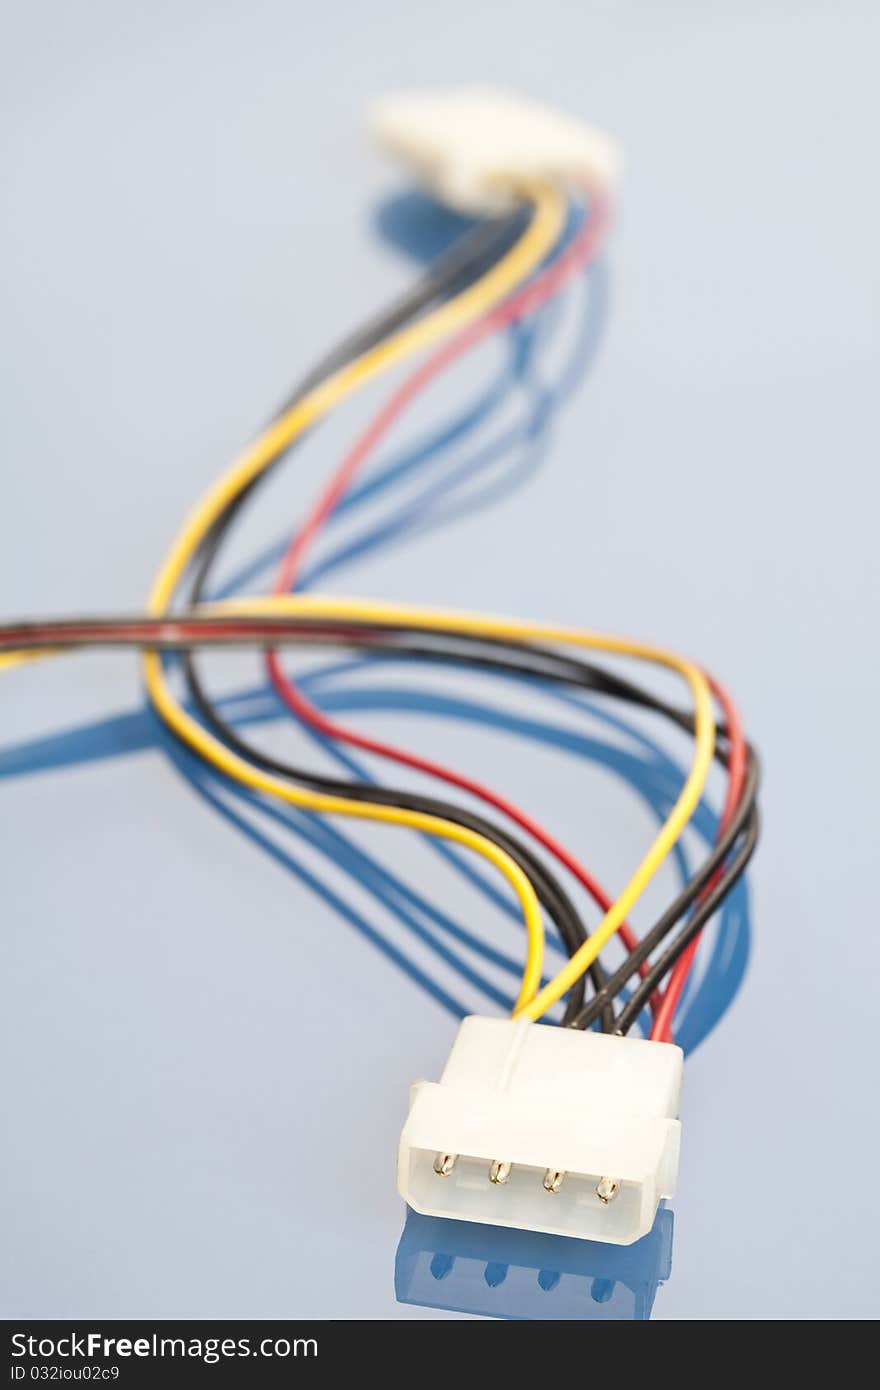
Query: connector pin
(553, 1180)
(500, 1172)
(444, 1164)
(607, 1189)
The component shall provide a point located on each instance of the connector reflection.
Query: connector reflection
(497, 1272)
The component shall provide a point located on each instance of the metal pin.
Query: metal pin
(607, 1189)
(500, 1172)
(553, 1179)
(444, 1164)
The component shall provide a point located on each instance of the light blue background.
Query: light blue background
(205, 1069)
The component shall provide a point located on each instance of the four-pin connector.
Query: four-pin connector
(547, 1129)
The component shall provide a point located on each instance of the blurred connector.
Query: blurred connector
(475, 145)
(546, 1129)
(499, 1273)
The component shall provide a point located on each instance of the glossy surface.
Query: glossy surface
(202, 995)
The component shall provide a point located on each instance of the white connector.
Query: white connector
(474, 144)
(547, 1129)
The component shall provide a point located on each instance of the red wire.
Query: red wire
(581, 251)
(577, 255)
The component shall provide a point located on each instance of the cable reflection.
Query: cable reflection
(496, 1272)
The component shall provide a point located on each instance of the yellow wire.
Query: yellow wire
(10, 659)
(229, 763)
(541, 234)
(400, 615)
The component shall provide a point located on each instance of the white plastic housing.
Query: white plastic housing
(472, 144)
(542, 1098)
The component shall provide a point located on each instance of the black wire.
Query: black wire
(550, 893)
(709, 905)
(464, 262)
(744, 822)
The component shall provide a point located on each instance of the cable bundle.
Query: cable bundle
(500, 274)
